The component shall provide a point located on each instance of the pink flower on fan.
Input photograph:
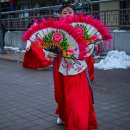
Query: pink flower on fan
(80, 30)
(70, 52)
(57, 37)
(107, 37)
(39, 41)
(93, 39)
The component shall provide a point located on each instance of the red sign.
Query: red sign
(11, 1)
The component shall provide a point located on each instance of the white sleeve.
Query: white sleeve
(28, 44)
(46, 54)
(90, 50)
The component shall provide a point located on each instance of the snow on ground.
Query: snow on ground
(114, 59)
(14, 49)
(120, 30)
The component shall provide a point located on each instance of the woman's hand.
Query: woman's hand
(52, 55)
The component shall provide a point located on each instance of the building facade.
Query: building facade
(11, 5)
(113, 13)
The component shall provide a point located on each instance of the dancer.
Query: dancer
(72, 92)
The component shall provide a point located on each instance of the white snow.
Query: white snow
(119, 31)
(23, 51)
(14, 49)
(11, 48)
(114, 59)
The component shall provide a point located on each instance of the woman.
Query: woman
(72, 92)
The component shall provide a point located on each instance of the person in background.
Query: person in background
(2, 44)
(4, 31)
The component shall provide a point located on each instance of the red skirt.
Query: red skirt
(74, 100)
(90, 63)
(35, 58)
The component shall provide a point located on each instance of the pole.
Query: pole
(2, 51)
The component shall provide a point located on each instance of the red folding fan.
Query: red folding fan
(92, 28)
(58, 37)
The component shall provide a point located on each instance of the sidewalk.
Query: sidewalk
(19, 56)
(27, 97)
(13, 56)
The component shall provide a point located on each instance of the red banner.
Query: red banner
(11, 1)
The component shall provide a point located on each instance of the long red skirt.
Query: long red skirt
(74, 100)
(35, 58)
(90, 63)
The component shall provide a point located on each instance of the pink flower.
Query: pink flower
(79, 68)
(70, 52)
(107, 37)
(93, 39)
(57, 37)
(39, 41)
(80, 30)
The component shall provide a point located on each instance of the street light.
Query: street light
(2, 51)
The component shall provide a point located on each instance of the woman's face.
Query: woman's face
(67, 12)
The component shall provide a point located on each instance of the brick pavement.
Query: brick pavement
(27, 100)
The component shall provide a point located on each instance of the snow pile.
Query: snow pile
(114, 59)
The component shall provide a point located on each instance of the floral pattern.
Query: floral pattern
(71, 66)
(57, 37)
(82, 29)
(39, 41)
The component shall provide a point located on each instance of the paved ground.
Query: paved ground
(13, 56)
(27, 100)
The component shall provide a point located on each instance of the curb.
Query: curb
(3, 57)
(12, 57)
(12, 60)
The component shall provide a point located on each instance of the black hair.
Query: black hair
(66, 4)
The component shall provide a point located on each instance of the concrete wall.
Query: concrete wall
(120, 41)
(14, 39)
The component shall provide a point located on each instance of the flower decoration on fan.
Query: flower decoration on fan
(83, 30)
(92, 28)
(58, 40)
(39, 41)
(58, 37)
